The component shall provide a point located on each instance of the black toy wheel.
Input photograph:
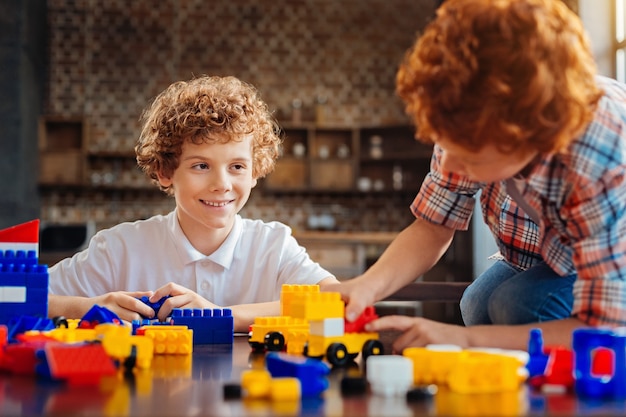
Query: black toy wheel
(337, 354)
(274, 341)
(372, 347)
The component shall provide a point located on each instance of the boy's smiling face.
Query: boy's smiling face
(211, 185)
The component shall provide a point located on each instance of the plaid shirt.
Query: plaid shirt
(580, 195)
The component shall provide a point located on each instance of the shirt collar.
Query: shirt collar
(223, 256)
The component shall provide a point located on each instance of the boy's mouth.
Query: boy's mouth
(215, 203)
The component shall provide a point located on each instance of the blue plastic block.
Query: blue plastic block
(98, 315)
(209, 326)
(584, 342)
(538, 359)
(312, 373)
(23, 323)
(156, 306)
(20, 269)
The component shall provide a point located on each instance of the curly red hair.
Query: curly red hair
(512, 73)
(207, 109)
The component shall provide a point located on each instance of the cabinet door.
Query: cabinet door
(391, 159)
(332, 161)
(292, 168)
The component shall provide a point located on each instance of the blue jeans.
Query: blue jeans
(505, 294)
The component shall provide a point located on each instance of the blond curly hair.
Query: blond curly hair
(512, 73)
(207, 109)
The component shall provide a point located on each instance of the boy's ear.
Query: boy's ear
(254, 182)
(163, 180)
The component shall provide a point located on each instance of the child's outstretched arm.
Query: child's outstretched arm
(126, 305)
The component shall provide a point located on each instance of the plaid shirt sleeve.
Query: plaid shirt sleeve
(593, 213)
(445, 198)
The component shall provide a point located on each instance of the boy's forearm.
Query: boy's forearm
(555, 333)
(412, 253)
(244, 314)
(70, 307)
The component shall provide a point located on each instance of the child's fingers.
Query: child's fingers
(399, 323)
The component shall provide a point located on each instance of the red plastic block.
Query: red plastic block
(358, 325)
(79, 364)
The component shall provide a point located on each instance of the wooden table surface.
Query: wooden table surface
(193, 386)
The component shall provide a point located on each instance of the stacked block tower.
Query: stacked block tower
(23, 281)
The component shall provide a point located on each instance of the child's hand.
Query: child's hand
(418, 331)
(356, 296)
(126, 304)
(180, 297)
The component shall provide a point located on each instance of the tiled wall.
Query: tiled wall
(107, 59)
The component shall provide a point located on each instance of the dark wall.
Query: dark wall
(22, 54)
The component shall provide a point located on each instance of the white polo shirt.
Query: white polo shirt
(251, 266)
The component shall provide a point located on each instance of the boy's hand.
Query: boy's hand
(180, 297)
(126, 304)
(356, 296)
(419, 332)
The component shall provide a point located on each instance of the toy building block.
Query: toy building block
(591, 345)
(311, 372)
(342, 350)
(259, 384)
(21, 324)
(209, 326)
(156, 306)
(23, 237)
(287, 293)
(274, 333)
(468, 371)
(124, 348)
(389, 375)
(549, 366)
(327, 327)
(169, 340)
(78, 363)
(358, 325)
(98, 315)
(317, 306)
(23, 286)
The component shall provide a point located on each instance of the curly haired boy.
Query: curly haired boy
(507, 92)
(205, 142)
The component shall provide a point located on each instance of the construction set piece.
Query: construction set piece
(316, 327)
(600, 364)
(23, 286)
(210, 326)
(169, 340)
(390, 375)
(311, 373)
(76, 364)
(98, 315)
(156, 306)
(22, 237)
(259, 384)
(468, 371)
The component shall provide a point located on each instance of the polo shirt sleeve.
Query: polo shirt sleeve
(445, 198)
(596, 222)
(297, 267)
(88, 273)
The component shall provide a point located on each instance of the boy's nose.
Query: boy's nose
(220, 181)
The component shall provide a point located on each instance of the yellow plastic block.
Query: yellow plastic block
(431, 366)
(72, 335)
(256, 383)
(285, 389)
(170, 340)
(318, 306)
(288, 291)
(479, 372)
(288, 326)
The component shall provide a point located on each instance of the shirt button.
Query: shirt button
(205, 286)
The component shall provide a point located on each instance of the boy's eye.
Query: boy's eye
(238, 166)
(201, 166)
